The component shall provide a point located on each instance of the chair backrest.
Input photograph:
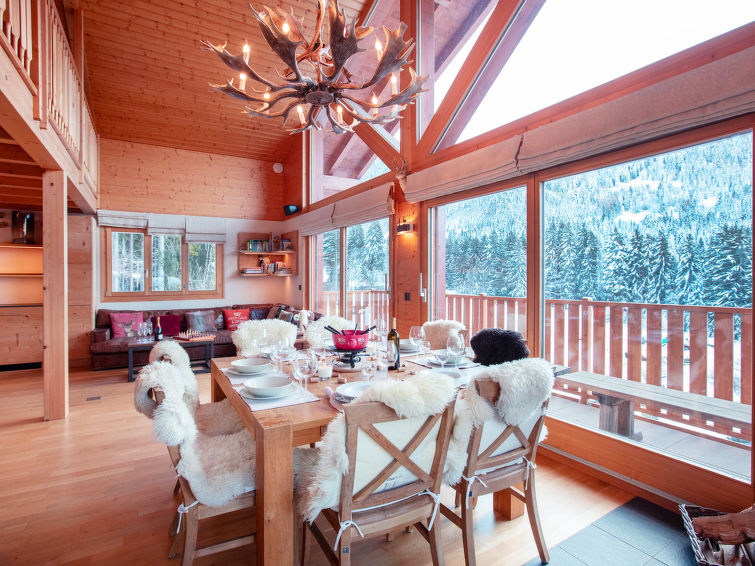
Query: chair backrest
(247, 336)
(316, 334)
(437, 331)
(391, 458)
(494, 444)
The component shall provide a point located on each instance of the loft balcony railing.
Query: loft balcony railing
(34, 39)
(362, 306)
(694, 349)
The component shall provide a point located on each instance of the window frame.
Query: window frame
(106, 259)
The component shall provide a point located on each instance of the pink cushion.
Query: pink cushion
(125, 324)
(170, 323)
(235, 317)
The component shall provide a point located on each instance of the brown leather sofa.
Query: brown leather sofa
(108, 352)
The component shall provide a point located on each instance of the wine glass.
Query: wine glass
(456, 347)
(149, 330)
(441, 356)
(381, 329)
(305, 367)
(368, 369)
(416, 334)
(286, 352)
(423, 346)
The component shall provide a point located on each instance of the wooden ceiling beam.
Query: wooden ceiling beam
(12, 153)
(379, 144)
(21, 182)
(9, 191)
(18, 170)
(491, 37)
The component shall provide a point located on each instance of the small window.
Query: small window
(159, 266)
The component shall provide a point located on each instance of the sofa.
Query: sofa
(108, 352)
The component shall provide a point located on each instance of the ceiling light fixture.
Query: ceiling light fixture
(300, 99)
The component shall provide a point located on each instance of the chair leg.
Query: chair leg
(192, 528)
(175, 546)
(436, 545)
(467, 534)
(177, 488)
(173, 526)
(344, 549)
(537, 531)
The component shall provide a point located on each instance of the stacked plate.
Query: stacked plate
(267, 387)
(407, 347)
(453, 361)
(347, 392)
(250, 366)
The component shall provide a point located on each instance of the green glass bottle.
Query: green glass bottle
(396, 339)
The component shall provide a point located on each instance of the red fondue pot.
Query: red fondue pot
(350, 340)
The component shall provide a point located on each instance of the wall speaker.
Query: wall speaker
(289, 209)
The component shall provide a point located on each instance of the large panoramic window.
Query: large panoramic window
(573, 46)
(325, 272)
(648, 301)
(159, 266)
(479, 261)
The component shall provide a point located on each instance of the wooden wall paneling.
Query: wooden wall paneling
(408, 267)
(535, 297)
(55, 308)
(137, 177)
(21, 335)
(294, 180)
(81, 284)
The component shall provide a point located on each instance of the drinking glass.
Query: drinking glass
(305, 367)
(381, 329)
(441, 356)
(150, 330)
(368, 369)
(423, 346)
(456, 347)
(286, 353)
(416, 334)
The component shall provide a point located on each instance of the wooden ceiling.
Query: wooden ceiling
(148, 78)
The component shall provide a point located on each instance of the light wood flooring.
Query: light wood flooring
(96, 488)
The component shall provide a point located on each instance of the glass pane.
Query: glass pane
(326, 272)
(367, 272)
(128, 262)
(648, 280)
(347, 161)
(166, 262)
(574, 46)
(202, 265)
(480, 261)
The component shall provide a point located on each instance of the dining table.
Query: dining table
(276, 432)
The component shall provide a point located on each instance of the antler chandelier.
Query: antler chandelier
(330, 87)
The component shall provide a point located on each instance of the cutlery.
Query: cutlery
(370, 329)
(332, 330)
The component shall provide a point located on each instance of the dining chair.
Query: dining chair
(250, 334)
(506, 407)
(316, 334)
(390, 447)
(437, 331)
(215, 473)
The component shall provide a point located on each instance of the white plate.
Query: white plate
(246, 395)
(463, 362)
(251, 365)
(454, 373)
(344, 367)
(267, 386)
(352, 390)
(407, 348)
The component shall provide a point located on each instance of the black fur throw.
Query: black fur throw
(494, 346)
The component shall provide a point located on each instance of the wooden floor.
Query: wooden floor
(97, 489)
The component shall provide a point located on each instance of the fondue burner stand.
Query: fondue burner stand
(350, 357)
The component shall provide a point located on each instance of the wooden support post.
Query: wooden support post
(508, 505)
(55, 295)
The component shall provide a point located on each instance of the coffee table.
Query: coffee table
(204, 365)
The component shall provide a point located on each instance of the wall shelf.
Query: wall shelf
(251, 258)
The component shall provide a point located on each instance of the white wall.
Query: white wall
(238, 290)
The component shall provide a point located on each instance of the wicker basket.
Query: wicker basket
(709, 552)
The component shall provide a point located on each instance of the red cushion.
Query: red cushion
(170, 323)
(235, 317)
(125, 324)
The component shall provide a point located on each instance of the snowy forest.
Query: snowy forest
(367, 256)
(674, 228)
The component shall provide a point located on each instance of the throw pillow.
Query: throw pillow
(170, 323)
(125, 324)
(274, 310)
(235, 317)
(201, 321)
(285, 315)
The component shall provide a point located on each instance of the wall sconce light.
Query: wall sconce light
(404, 227)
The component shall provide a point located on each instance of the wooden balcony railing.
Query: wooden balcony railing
(366, 305)
(17, 37)
(695, 349)
(63, 88)
(90, 150)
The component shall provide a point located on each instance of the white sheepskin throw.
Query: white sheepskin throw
(319, 471)
(437, 331)
(249, 334)
(218, 468)
(316, 334)
(170, 351)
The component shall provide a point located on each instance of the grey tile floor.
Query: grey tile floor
(638, 533)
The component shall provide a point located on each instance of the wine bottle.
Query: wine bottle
(395, 338)
(158, 330)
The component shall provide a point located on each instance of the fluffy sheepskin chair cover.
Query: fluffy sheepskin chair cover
(211, 418)
(218, 468)
(437, 331)
(319, 471)
(525, 385)
(316, 334)
(247, 336)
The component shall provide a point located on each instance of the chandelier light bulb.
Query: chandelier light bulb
(394, 84)
(246, 53)
(286, 28)
(266, 96)
(242, 81)
(378, 48)
(300, 112)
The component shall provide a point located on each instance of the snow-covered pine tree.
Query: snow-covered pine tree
(689, 274)
(375, 254)
(615, 274)
(661, 271)
(637, 268)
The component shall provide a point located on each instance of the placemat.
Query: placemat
(297, 398)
